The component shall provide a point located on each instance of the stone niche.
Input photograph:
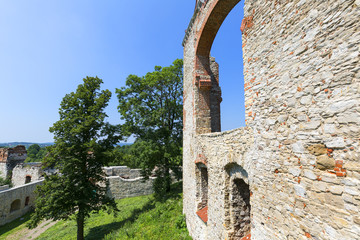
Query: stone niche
(237, 202)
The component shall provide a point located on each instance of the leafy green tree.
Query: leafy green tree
(151, 107)
(124, 156)
(32, 152)
(82, 141)
(41, 154)
(33, 149)
(35, 153)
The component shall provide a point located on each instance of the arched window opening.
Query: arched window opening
(202, 191)
(27, 179)
(27, 200)
(15, 205)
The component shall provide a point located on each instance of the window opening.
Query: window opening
(27, 200)
(27, 179)
(202, 191)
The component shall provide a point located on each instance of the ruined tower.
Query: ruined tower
(294, 171)
(9, 158)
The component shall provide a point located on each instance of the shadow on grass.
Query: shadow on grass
(100, 232)
(14, 224)
(176, 189)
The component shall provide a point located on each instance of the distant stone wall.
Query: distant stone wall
(9, 158)
(25, 173)
(122, 188)
(126, 182)
(4, 187)
(16, 201)
(3, 170)
(122, 171)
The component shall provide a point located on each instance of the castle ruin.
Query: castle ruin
(9, 158)
(294, 171)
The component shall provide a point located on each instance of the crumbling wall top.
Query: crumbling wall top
(200, 4)
(16, 153)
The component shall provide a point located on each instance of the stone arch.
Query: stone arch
(15, 205)
(207, 70)
(237, 202)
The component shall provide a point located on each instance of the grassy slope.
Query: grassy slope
(139, 218)
(14, 226)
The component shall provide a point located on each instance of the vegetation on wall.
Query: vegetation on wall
(6, 181)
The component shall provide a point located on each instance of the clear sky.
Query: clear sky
(47, 47)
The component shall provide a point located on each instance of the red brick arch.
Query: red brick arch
(206, 76)
(212, 23)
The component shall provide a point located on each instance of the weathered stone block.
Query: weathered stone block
(324, 162)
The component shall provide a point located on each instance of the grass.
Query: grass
(139, 218)
(14, 226)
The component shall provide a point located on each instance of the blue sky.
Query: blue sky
(47, 47)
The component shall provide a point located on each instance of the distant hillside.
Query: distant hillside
(27, 144)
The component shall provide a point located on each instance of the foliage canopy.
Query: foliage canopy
(151, 107)
(35, 153)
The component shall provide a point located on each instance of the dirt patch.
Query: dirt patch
(26, 233)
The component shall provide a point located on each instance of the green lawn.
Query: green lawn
(14, 226)
(139, 218)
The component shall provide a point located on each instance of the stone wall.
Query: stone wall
(126, 182)
(16, 201)
(26, 172)
(9, 158)
(3, 170)
(122, 188)
(122, 171)
(298, 156)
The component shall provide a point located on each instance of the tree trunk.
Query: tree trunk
(167, 176)
(80, 226)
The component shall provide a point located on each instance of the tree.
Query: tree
(35, 153)
(151, 107)
(33, 150)
(124, 156)
(81, 143)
